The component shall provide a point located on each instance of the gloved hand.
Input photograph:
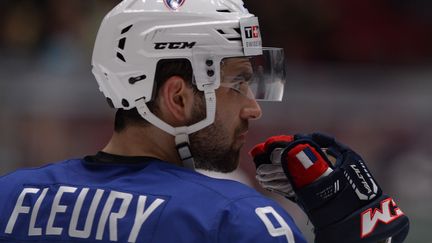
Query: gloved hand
(343, 201)
(269, 169)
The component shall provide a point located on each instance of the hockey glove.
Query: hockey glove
(343, 201)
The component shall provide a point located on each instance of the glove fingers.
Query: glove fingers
(269, 169)
(278, 141)
(280, 185)
(272, 177)
(261, 152)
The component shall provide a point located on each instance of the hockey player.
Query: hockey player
(185, 76)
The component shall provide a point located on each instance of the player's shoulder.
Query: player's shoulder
(237, 208)
(32, 173)
(225, 188)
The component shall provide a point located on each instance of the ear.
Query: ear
(177, 100)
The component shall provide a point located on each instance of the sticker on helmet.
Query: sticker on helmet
(174, 4)
(251, 37)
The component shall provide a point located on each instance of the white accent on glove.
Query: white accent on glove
(272, 177)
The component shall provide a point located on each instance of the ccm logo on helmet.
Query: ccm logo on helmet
(174, 45)
(386, 214)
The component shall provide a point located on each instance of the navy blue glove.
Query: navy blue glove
(342, 200)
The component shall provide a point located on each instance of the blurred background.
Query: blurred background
(360, 70)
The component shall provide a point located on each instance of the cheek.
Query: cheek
(227, 122)
(226, 113)
(228, 108)
(227, 104)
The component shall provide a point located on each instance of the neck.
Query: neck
(143, 141)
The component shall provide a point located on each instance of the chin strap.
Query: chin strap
(181, 134)
(183, 150)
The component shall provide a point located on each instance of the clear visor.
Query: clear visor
(259, 77)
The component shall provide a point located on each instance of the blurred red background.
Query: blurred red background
(360, 70)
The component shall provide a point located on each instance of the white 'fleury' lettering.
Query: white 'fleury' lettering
(141, 215)
(19, 208)
(57, 208)
(85, 233)
(113, 217)
(32, 229)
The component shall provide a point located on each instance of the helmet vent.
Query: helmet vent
(221, 32)
(121, 57)
(231, 34)
(126, 29)
(223, 11)
(122, 43)
(235, 39)
(232, 6)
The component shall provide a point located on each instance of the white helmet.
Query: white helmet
(137, 34)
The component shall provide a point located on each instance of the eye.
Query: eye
(248, 76)
(239, 83)
(241, 86)
(239, 79)
(244, 77)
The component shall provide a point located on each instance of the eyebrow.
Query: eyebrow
(247, 75)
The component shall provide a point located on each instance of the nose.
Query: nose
(251, 111)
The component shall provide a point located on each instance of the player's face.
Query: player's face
(217, 147)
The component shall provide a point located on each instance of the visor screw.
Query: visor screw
(209, 63)
(125, 103)
(210, 73)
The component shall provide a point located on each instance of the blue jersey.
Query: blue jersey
(84, 200)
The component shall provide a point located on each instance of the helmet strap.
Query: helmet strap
(183, 150)
(181, 134)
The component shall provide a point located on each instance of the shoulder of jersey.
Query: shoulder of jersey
(27, 172)
(225, 188)
(182, 177)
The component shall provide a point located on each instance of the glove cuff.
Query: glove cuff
(378, 220)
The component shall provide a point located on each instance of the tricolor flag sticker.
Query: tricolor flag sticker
(306, 157)
(307, 165)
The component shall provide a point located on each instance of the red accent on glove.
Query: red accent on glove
(262, 148)
(280, 138)
(257, 150)
(300, 175)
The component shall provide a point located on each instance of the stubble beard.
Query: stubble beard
(212, 148)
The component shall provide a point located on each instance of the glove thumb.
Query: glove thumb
(304, 162)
